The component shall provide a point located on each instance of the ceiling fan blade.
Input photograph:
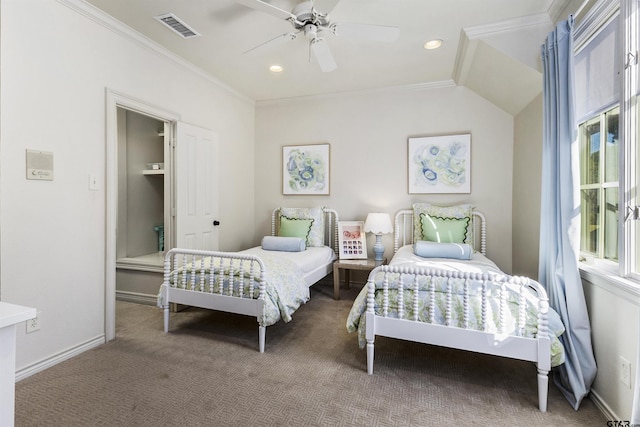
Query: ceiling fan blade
(325, 6)
(267, 8)
(321, 52)
(378, 33)
(291, 36)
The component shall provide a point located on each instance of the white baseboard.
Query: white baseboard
(136, 297)
(60, 357)
(601, 404)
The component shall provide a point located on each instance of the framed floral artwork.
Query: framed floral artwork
(440, 164)
(352, 242)
(305, 169)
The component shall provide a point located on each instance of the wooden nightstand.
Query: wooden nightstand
(351, 264)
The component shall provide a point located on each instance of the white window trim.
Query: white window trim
(619, 277)
(629, 127)
(610, 281)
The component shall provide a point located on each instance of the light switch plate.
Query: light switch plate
(93, 182)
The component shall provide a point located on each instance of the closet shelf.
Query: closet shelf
(153, 172)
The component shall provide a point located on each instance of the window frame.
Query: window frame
(603, 184)
(627, 269)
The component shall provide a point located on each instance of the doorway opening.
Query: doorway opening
(133, 259)
(143, 228)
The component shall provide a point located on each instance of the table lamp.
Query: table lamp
(378, 224)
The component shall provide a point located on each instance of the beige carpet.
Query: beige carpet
(207, 371)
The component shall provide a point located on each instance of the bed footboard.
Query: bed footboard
(483, 313)
(224, 281)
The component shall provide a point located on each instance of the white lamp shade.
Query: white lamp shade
(378, 223)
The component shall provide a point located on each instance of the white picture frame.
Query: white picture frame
(352, 242)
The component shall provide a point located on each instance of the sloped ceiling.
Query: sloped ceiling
(501, 64)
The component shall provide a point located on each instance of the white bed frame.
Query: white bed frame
(196, 293)
(537, 350)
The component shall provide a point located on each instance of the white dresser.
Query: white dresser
(10, 316)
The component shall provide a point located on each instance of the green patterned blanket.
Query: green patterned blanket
(471, 318)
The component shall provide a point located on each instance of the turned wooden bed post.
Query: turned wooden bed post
(165, 289)
(370, 319)
(544, 350)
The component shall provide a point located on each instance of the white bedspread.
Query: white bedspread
(477, 264)
(308, 260)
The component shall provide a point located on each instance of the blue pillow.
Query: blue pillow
(283, 244)
(425, 249)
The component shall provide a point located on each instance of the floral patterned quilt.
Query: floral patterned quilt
(286, 289)
(356, 319)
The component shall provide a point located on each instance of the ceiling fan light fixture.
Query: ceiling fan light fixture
(433, 44)
(314, 23)
(276, 68)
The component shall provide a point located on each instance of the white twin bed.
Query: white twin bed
(268, 284)
(466, 304)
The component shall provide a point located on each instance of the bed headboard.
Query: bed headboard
(330, 226)
(403, 230)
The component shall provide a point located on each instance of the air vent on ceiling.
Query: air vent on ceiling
(175, 24)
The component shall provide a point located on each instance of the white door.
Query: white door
(196, 187)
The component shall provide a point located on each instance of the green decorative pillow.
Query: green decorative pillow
(444, 230)
(294, 227)
(455, 212)
(316, 234)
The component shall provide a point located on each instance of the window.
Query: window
(608, 137)
(598, 139)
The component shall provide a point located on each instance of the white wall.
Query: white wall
(527, 179)
(53, 90)
(615, 329)
(368, 136)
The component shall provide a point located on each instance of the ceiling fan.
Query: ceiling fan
(314, 23)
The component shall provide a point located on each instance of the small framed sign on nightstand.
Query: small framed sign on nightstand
(352, 242)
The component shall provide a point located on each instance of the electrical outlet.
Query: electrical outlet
(625, 372)
(33, 324)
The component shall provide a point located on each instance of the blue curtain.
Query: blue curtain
(560, 215)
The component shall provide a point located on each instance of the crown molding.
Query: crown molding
(107, 21)
(594, 20)
(558, 10)
(388, 89)
(508, 26)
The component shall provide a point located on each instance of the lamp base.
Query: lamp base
(378, 249)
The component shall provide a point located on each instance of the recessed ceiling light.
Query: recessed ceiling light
(433, 44)
(276, 68)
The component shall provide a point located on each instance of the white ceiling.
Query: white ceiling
(490, 46)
